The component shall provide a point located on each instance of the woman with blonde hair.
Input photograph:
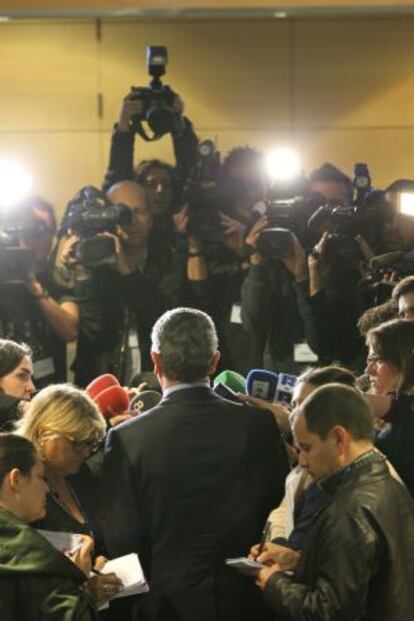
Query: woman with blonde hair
(66, 428)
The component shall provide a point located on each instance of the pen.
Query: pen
(76, 547)
(265, 536)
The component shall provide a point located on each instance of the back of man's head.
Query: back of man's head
(338, 405)
(186, 341)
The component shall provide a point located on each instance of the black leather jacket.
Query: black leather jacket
(358, 559)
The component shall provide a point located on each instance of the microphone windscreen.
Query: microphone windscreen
(232, 380)
(262, 383)
(112, 400)
(100, 383)
(285, 386)
(225, 392)
(144, 401)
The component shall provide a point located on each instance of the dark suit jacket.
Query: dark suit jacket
(190, 483)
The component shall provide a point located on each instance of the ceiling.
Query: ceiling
(193, 9)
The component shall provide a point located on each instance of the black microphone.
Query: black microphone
(144, 401)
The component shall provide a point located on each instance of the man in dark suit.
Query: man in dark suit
(191, 482)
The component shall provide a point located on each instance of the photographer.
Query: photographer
(275, 306)
(33, 308)
(161, 181)
(216, 264)
(339, 260)
(120, 301)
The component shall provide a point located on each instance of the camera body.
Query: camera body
(286, 216)
(203, 193)
(366, 216)
(89, 214)
(156, 97)
(17, 263)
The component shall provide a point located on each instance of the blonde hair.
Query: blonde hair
(61, 409)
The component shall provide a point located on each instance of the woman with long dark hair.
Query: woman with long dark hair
(390, 366)
(16, 380)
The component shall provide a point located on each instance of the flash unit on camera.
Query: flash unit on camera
(15, 182)
(283, 164)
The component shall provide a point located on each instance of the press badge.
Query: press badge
(303, 353)
(43, 368)
(235, 316)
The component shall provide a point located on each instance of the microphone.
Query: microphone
(113, 400)
(144, 401)
(383, 260)
(100, 383)
(285, 386)
(232, 380)
(261, 383)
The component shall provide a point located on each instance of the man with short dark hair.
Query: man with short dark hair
(334, 184)
(358, 558)
(403, 294)
(192, 481)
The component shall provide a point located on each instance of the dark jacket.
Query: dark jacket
(220, 296)
(358, 559)
(111, 304)
(121, 157)
(396, 440)
(190, 484)
(37, 582)
(274, 312)
(9, 411)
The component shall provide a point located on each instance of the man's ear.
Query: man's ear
(340, 438)
(214, 363)
(156, 359)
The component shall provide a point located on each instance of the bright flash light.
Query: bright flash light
(283, 164)
(15, 182)
(407, 203)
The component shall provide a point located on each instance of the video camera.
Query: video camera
(366, 216)
(17, 262)
(89, 214)
(286, 216)
(156, 97)
(203, 193)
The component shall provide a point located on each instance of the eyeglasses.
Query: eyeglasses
(92, 444)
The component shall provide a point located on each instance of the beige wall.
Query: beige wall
(339, 89)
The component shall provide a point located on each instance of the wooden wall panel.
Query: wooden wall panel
(231, 75)
(351, 73)
(48, 76)
(60, 162)
(340, 90)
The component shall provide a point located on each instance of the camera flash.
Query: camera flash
(15, 182)
(283, 164)
(407, 203)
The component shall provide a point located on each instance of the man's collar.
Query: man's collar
(330, 483)
(184, 386)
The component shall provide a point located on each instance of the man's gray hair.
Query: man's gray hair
(186, 341)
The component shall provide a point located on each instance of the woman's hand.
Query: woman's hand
(82, 557)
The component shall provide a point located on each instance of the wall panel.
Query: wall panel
(341, 90)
